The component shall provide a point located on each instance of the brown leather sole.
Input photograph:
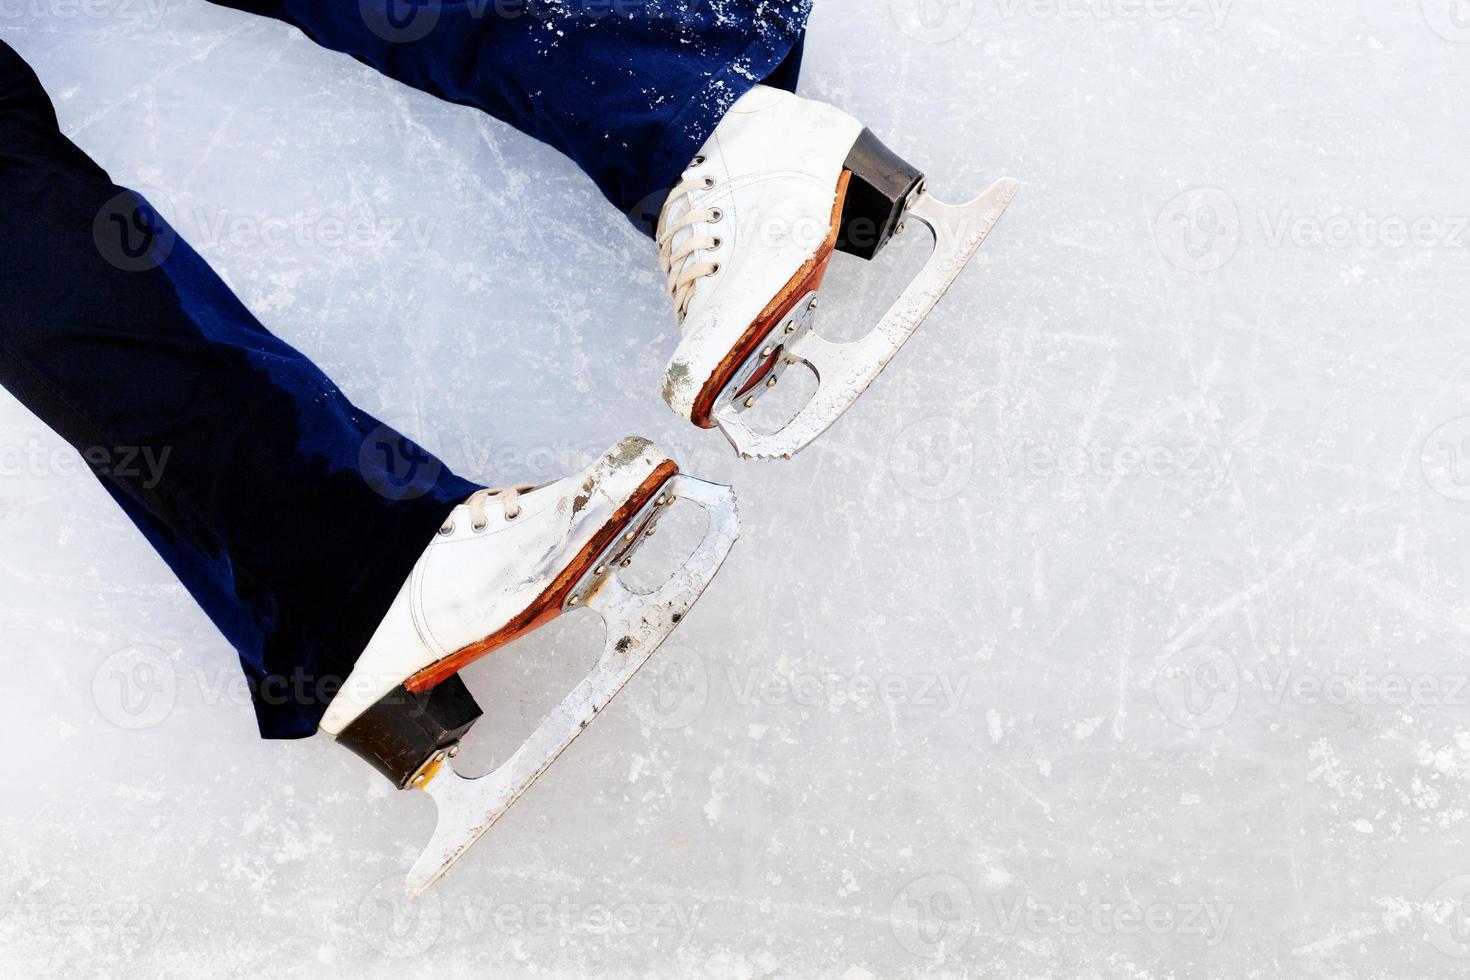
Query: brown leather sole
(549, 604)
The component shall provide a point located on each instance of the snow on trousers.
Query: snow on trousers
(291, 516)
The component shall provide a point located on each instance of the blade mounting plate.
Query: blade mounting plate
(844, 371)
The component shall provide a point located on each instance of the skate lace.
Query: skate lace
(678, 214)
(479, 500)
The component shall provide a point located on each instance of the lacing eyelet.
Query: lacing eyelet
(447, 529)
(715, 269)
(716, 243)
(479, 527)
(698, 161)
(715, 214)
(709, 182)
(510, 517)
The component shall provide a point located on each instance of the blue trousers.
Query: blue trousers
(291, 516)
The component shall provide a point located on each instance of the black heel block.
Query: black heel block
(405, 731)
(877, 195)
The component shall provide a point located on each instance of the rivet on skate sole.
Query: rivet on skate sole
(768, 358)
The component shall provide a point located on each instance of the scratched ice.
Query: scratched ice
(1120, 630)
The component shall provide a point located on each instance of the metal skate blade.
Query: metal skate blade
(844, 371)
(636, 624)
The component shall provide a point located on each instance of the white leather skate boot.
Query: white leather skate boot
(504, 563)
(745, 239)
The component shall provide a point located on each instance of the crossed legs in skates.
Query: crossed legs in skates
(357, 586)
(758, 189)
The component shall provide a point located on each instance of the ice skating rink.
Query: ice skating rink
(1120, 631)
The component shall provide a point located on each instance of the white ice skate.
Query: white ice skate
(746, 237)
(504, 563)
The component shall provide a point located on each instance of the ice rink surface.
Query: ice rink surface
(1120, 631)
